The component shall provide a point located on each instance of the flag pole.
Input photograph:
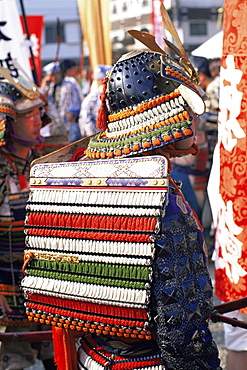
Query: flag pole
(33, 67)
(58, 40)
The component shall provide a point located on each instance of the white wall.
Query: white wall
(134, 8)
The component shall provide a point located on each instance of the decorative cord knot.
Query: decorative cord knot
(103, 111)
(28, 256)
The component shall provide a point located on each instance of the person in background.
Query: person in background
(51, 82)
(21, 117)
(209, 73)
(70, 91)
(72, 116)
(51, 73)
(90, 104)
(85, 83)
(50, 86)
(210, 83)
(204, 74)
(62, 91)
(193, 173)
(212, 108)
(214, 67)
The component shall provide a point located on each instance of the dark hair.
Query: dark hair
(67, 64)
(204, 68)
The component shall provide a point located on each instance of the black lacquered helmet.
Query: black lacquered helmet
(136, 79)
(146, 97)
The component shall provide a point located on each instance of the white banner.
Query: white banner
(12, 43)
(158, 28)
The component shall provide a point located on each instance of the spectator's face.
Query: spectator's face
(70, 117)
(74, 71)
(28, 125)
(57, 77)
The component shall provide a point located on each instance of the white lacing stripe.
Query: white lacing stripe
(87, 361)
(120, 198)
(85, 291)
(76, 298)
(93, 210)
(153, 115)
(89, 246)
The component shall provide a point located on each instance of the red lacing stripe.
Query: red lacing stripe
(92, 221)
(137, 238)
(90, 307)
(89, 317)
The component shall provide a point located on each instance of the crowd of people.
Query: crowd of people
(185, 340)
(72, 108)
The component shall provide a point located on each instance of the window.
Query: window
(124, 6)
(197, 29)
(144, 2)
(144, 30)
(114, 9)
(51, 33)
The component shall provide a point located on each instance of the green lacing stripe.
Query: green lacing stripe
(88, 279)
(106, 270)
(99, 142)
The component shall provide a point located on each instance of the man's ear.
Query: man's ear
(202, 76)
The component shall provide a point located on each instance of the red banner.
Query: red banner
(231, 232)
(35, 24)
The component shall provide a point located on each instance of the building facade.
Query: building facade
(195, 20)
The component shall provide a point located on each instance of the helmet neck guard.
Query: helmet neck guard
(145, 110)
